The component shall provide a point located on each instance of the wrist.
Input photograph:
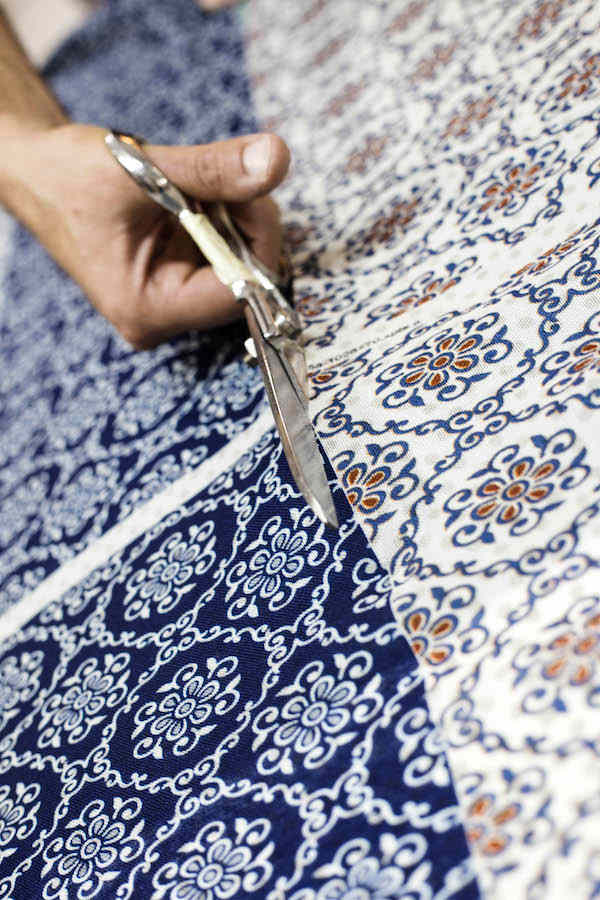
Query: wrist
(15, 127)
(26, 102)
(24, 165)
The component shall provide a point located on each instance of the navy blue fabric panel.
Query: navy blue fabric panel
(89, 429)
(226, 709)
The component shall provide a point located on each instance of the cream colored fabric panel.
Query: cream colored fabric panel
(443, 218)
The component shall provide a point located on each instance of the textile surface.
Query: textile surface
(446, 215)
(203, 692)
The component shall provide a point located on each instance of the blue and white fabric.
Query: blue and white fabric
(206, 694)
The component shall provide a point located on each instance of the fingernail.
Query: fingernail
(256, 157)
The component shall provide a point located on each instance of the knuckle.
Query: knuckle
(208, 170)
(135, 335)
(130, 319)
(133, 339)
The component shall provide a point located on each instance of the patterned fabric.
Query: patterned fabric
(90, 430)
(221, 705)
(444, 212)
(224, 709)
(204, 693)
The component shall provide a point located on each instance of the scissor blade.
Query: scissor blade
(295, 428)
(296, 359)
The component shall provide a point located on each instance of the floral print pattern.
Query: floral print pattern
(217, 867)
(271, 577)
(19, 680)
(359, 161)
(17, 815)
(579, 83)
(187, 712)
(576, 363)
(447, 365)
(171, 573)
(88, 696)
(396, 247)
(428, 637)
(80, 500)
(470, 117)
(81, 864)
(310, 725)
(151, 400)
(515, 491)
(507, 190)
(388, 870)
(535, 24)
(568, 660)
(430, 286)
(369, 486)
(487, 821)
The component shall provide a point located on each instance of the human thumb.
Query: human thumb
(234, 170)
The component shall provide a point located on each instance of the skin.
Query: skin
(135, 263)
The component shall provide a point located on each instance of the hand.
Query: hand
(133, 260)
(216, 4)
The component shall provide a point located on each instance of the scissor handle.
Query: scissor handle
(245, 277)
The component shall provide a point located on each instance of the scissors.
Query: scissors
(274, 325)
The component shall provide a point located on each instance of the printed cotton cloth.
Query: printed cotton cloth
(206, 694)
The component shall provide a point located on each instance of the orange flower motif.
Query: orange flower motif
(533, 25)
(427, 638)
(349, 95)
(578, 83)
(384, 228)
(587, 356)
(428, 67)
(505, 496)
(434, 289)
(363, 487)
(520, 179)
(432, 368)
(474, 113)
(406, 17)
(329, 50)
(516, 492)
(313, 11)
(359, 160)
(485, 826)
(548, 257)
(574, 657)
(393, 309)
(311, 306)
(369, 486)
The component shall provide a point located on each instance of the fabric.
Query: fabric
(446, 213)
(449, 258)
(203, 692)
